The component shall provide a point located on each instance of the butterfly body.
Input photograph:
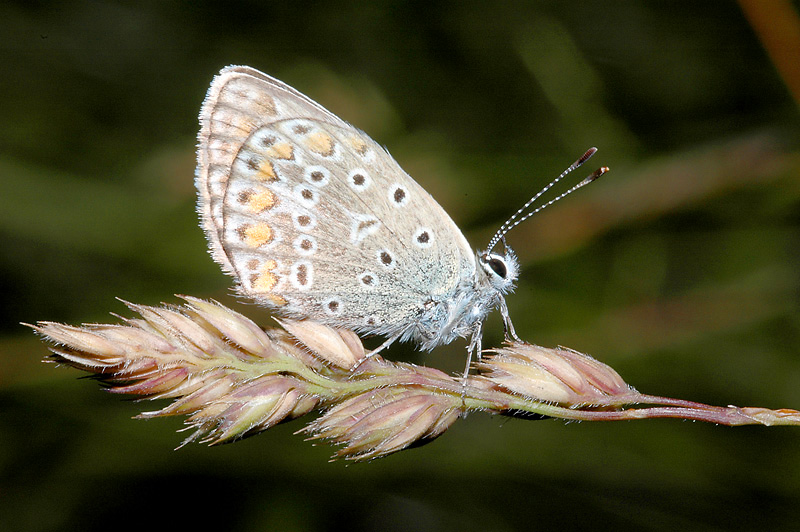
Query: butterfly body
(317, 221)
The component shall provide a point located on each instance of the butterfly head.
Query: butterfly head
(501, 269)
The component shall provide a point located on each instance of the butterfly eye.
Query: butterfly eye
(498, 267)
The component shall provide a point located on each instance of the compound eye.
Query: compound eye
(498, 267)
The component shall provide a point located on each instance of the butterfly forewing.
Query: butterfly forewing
(315, 219)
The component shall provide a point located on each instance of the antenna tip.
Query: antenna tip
(585, 157)
(594, 175)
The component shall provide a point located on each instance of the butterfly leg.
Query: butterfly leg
(383, 346)
(375, 351)
(508, 327)
(475, 346)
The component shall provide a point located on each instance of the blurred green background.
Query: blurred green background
(679, 268)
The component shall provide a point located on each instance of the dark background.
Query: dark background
(679, 268)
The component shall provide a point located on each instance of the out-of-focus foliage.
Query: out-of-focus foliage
(679, 268)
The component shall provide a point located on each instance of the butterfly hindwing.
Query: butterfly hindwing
(315, 219)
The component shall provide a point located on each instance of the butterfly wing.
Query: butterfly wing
(315, 219)
(239, 101)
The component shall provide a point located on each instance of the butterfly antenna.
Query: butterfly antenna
(514, 221)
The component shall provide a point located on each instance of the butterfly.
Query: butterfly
(316, 221)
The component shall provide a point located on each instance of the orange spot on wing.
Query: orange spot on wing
(276, 300)
(266, 172)
(359, 145)
(320, 142)
(256, 235)
(265, 282)
(261, 201)
(282, 150)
